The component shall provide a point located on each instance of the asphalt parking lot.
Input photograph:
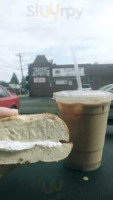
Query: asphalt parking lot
(34, 105)
(37, 105)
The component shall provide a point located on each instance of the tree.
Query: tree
(26, 82)
(3, 83)
(14, 79)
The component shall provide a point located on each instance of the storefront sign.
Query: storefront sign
(39, 79)
(41, 71)
(61, 82)
(67, 72)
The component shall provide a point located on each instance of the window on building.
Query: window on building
(91, 79)
(70, 82)
(57, 71)
(61, 82)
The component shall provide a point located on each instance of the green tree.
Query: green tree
(14, 79)
(3, 83)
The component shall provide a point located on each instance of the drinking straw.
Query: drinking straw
(76, 69)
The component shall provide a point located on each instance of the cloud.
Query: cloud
(90, 33)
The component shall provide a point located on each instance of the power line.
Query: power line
(2, 60)
(4, 68)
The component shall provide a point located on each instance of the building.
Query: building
(98, 75)
(64, 77)
(46, 77)
(40, 73)
(14, 86)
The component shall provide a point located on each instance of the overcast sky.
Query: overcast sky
(33, 27)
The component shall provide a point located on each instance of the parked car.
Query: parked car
(14, 90)
(24, 91)
(18, 90)
(86, 87)
(107, 88)
(8, 99)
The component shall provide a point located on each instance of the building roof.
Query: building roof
(40, 59)
(62, 66)
(87, 65)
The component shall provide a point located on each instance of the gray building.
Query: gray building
(46, 77)
(98, 75)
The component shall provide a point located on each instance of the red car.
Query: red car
(8, 99)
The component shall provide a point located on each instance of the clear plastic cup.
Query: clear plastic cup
(86, 114)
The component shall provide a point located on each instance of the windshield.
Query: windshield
(85, 86)
(50, 46)
(104, 88)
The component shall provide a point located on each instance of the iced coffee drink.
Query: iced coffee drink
(85, 114)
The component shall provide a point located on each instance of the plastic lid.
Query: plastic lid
(92, 96)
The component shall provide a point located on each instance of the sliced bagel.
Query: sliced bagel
(33, 138)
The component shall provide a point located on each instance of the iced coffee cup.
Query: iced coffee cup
(86, 114)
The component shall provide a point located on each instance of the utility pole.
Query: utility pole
(21, 69)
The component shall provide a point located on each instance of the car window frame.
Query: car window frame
(5, 93)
